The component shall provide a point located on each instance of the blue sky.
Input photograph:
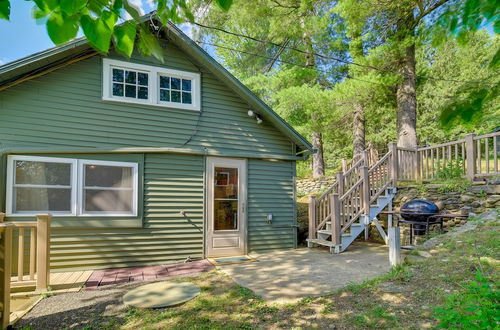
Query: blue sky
(22, 36)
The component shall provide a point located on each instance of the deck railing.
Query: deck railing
(27, 246)
(358, 184)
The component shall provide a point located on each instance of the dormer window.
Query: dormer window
(144, 84)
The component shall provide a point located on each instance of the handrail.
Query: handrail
(354, 186)
(440, 145)
(323, 195)
(371, 169)
(487, 135)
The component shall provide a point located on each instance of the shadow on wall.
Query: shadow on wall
(302, 220)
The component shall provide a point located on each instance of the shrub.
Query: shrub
(476, 308)
(452, 170)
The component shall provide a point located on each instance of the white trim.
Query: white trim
(76, 186)
(11, 184)
(81, 187)
(153, 84)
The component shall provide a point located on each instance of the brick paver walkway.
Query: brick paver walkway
(103, 277)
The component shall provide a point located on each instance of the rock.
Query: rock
(439, 204)
(451, 223)
(465, 210)
(424, 254)
(493, 198)
(475, 204)
(457, 221)
(467, 199)
(490, 215)
(463, 222)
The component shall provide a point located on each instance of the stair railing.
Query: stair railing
(380, 177)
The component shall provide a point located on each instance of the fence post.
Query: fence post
(312, 217)
(340, 180)
(344, 165)
(393, 148)
(394, 246)
(43, 251)
(6, 247)
(418, 165)
(335, 218)
(366, 197)
(470, 152)
(364, 156)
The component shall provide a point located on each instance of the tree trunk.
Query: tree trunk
(318, 160)
(359, 130)
(406, 98)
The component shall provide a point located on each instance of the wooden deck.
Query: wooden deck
(59, 283)
(23, 295)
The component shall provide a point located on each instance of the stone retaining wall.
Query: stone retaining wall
(307, 187)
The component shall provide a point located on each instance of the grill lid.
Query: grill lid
(418, 210)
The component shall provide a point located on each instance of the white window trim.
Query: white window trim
(81, 187)
(10, 184)
(153, 84)
(76, 186)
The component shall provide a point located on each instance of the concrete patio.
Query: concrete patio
(288, 276)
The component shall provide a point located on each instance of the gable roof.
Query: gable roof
(24, 68)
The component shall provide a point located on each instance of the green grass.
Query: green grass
(416, 291)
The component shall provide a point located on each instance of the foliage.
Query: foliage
(476, 308)
(453, 185)
(98, 20)
(452, 170)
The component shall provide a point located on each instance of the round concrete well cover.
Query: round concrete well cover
(161, 294)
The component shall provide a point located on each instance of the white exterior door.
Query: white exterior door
(226, 209)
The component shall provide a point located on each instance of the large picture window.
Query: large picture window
(138, 83)
(70, 187)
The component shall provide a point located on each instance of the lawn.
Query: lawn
(405, 298)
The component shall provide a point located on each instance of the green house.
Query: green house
(142, 162)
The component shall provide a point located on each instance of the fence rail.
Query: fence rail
(27, 246)
(358, 184)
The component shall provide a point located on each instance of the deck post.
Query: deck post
(393, 167)
(366, 197)
(344, 165)
(312, 217)
(43, 252)
(5, 273)
(340, 180)
(394, 246)
(365, 158)
(470, 153)
(335, 218)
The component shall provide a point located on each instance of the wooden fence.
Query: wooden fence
(360, 183)
(27, 245)
(472, 157)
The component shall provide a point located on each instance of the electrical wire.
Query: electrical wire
(340, 60)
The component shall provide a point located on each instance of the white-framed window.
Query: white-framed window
(145, 84)
(70, 187)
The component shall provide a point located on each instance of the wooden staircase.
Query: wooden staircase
(363, 190)
(353, 202)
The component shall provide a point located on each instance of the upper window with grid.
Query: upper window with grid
(132, 84)
(144, 84)
(175, 90)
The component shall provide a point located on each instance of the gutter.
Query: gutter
(142, 150)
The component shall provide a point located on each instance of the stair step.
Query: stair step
(328, 232)
(321, 242)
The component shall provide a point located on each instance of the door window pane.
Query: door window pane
(225, 215)
(226, 183)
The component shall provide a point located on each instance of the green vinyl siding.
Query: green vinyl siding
(271, 191)
(167, 235)
(64, 109)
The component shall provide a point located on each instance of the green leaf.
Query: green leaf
(46, 5)
(109, 18)
(495, 61)
(5, 9)
(124, 38)
(72, 7)
(132, 10)
(97, 32)
(149, 45)
(224, 4)
(61, 28)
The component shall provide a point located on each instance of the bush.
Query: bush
(476, 308)
(452, 170)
